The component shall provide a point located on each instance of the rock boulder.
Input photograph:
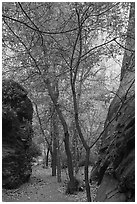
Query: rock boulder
(17, 112)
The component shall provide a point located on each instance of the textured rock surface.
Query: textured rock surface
(117, 151)
(17, 114)
(109, 192)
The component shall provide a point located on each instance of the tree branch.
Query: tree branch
(80, 47)
(125, 48)
(40, 124)
(25, 48)
(40, 31)
(96, 47)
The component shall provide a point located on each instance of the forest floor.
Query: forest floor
(43, 187)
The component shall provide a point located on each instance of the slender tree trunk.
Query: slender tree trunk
(69, 157)
(87, 175)
(74, 149)
(54, 158)
(47, 158)
(85, 145)
(42, 131)
(54, 124)
(65, 128)
(58, 162)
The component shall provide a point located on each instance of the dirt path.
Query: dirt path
(41, 188)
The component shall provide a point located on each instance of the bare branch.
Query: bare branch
(80, 45)
(40, 124)
(96, 47)
(123, 46)
(40, 31)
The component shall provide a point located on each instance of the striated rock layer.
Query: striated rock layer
(115, 169)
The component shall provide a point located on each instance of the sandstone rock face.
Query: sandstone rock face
(109, 191)
(117, 150)
(17, 114)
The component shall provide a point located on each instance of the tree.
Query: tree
(61, 41)
(54, 131)
(74, 66)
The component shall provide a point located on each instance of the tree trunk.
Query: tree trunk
(65, 128)
(55, 136)
(69, 157)
(47, 158)
(42, 131)
(85, 145)
(58, 163)
(117, 152)
(74, 148)
(87, 175)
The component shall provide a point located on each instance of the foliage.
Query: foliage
(16, 135)
(34, 150)
(49, 45)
